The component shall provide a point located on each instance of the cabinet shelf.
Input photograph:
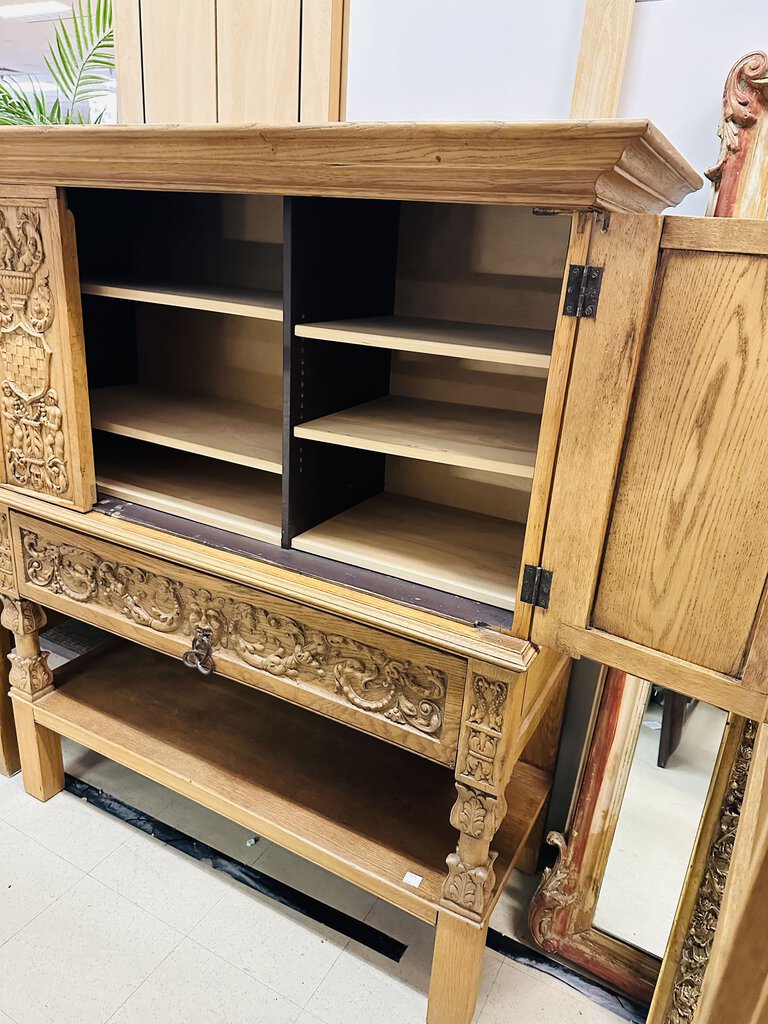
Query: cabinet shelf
(529, 350)
(249, 435)
(261, 305)
(455, 435)
(464, 553)
(242, 501)
(288, 774)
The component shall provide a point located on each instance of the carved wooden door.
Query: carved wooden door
(657, 533)
(46, 430)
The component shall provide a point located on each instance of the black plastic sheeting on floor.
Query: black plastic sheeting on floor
(620, 1005)
(254, 879)
(343, 923)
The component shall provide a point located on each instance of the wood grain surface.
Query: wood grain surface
(619, 165)
(687, 551)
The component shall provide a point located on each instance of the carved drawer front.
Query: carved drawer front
(46, 428)
(402, 691)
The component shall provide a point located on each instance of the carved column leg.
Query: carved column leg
(481, 778)
(31, 678)
(456, 969)
(9, 747)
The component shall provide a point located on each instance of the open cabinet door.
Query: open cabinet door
(46, 429)
(657, 530)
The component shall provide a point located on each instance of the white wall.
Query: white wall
(461, 60)
(680, 54)
(476, 60)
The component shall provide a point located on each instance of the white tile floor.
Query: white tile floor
(100, 922)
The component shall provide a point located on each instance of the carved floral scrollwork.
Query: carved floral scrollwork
(7, 581)
(32, 419)
(697, 946)
(745, 93)
(364, 676)
(484, 728)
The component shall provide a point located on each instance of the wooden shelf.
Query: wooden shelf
(512, 346)
(284, 772)
(243, 501)
(454, 435)
(464, 553)
(261, 305)
(231, 431)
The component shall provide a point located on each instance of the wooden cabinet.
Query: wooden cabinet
(661, 568)
(389, 422)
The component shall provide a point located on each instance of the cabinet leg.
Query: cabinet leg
(30, 679)
(9, 747)
(42, 767)
(456, 969)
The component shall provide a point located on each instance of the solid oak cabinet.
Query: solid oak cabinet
(389, 422)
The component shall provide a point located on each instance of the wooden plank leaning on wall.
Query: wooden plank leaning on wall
(230, 61)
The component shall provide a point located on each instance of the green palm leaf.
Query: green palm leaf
(79, 58)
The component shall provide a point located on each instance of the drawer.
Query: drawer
(402, 691)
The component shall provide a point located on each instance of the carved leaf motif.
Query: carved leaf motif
(697, 946)
(6, 561)
(472, 817)
(32, 419)
(366, 677)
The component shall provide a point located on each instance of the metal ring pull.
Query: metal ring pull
(199, 654)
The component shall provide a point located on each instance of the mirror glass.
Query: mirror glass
(666, 791)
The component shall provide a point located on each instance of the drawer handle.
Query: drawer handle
(199, 654)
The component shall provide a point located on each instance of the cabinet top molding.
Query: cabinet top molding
(624, 165)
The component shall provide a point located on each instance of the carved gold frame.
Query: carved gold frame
(562, 911)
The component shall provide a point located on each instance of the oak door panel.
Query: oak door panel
(46, 428)
(687, 547)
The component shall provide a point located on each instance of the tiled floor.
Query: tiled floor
(99, 922)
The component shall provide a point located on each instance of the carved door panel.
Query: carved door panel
(46, 430)
(658, 529)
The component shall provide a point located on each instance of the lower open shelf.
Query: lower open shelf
(228, 497)
(368, 811)
(249, 435)
(465, 553)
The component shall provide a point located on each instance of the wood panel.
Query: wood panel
(46, 432)
(261, 305)
(714, 687)
(258, 61)
(179, 61)
(602, 55)
(249, 435)
(407, 693)
(228, 497)
(596, 410)
(455, 435)
(128, 68)
(529, 351)
(285, 773)
(464, 553)
(715, 234)
(323, 60)
(617, 165)
(687, 547)
(551, 419)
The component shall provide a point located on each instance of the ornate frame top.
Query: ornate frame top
(612, 164)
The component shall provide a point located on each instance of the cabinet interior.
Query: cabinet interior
(359, 380)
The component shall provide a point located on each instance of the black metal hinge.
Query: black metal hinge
(582, 292)
(537, 585)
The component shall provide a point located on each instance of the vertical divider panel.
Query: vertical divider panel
(340, 261)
